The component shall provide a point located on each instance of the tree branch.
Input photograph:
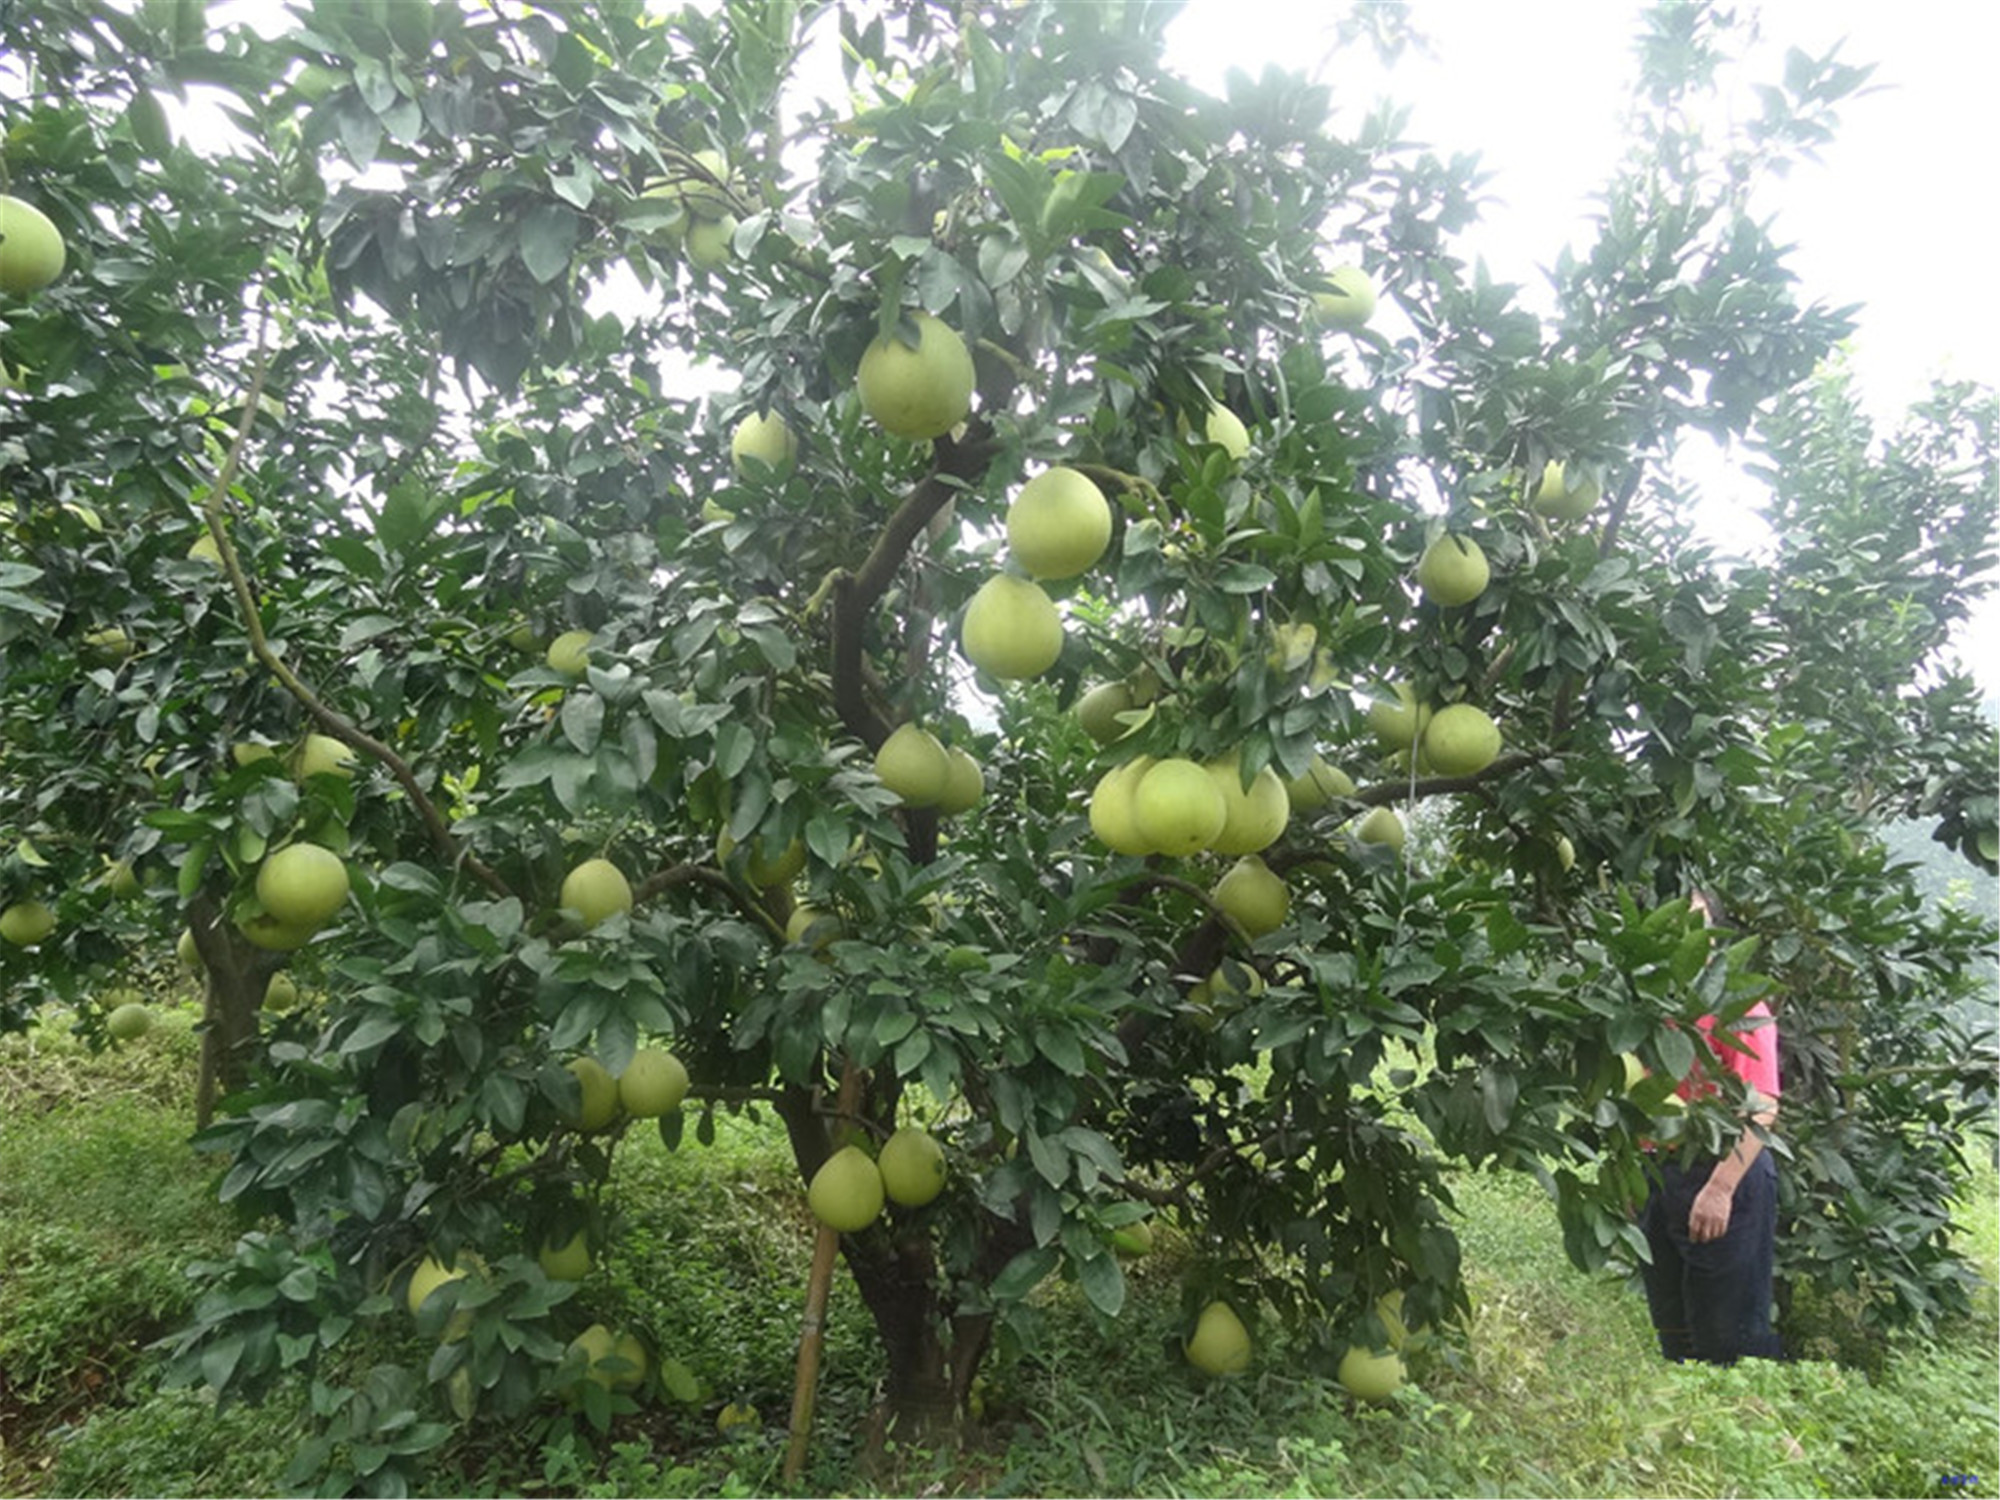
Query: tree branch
(692, 874)
(335, 724)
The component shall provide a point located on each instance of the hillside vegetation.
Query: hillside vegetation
(1552, 1388)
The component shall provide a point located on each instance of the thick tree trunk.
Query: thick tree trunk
(237, 976)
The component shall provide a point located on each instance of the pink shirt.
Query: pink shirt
(1758, 1066)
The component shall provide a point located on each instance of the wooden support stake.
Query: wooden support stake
(812, 1331)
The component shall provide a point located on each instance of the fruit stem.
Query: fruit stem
(1104, 476)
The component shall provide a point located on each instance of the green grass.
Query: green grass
(1555, 1388)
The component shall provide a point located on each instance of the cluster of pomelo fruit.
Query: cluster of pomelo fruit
(848, 1191)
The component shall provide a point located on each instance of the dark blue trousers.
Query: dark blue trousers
(1712, 1302)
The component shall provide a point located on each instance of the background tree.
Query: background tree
(341, 426)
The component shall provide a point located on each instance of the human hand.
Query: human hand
(1708, 1219)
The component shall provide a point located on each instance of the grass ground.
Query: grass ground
(1554, 1391)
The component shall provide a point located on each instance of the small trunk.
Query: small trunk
(237, 976)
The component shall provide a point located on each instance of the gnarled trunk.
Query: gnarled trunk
(237, 976)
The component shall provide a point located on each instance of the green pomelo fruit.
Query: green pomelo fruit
(569, 653)
(598, 1106)
(1316, 789)
(1369, 1376)
(31, 248)
(917, 393)
(1381, 826)
(762, 444)
(1348, 300)
(1220, 1344)
(653, 1084)
(129, 1021)
(1097, 711)
(566, 1262)
(302, 885)
(1562, 496)
(595, 890)
(26, 923)
(323, 755)
(964, 783)
(1397, 725)
(846, 1192)
(913, 765)
(1011, 629)
(1111, 814)
(912, 1167)
(1177, 808)
(1461, 740)
(1058, 525)
(1253, 819)
(1254, 896)
(1453, 571)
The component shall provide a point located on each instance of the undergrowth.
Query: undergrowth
(1553, 1387)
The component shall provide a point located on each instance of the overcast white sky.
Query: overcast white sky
(1896, 215)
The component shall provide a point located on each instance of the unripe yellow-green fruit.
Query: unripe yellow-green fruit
(1177, 808)
(302, 885)
(107, 646)
(1220, 1345)
(1461, 740)
(273, 936)
(430, 1274)
(129, 1021)
(1226, 430)
(1565, 852)
(912, 1167)
(846, 1192)
(1011, 629)
(1381, 826)
(1316, 789)
(917, 393)
(1111, 815)
(31, 248)
(1397, 725)
(246, 752)
(809, 921)
(761, 871)
(121, 879)
(711, 242)
(1453, 571)
(323, 755)
(1097, 711)
(1634, 1071)
(599, 1103)
(763, 443)
(1562, 496)
(653, 1084)
(964, 783)
(26, 923)
(1130, 1241)
(566, 1262)
(1058, 525)
(187, 953)
(1369, 1376)
(707, 196)
(569, 653)
(913, 765)
(1348, 300)
(281, 993)
(595, 890)
(615, 1361)
(1253, 819)
(204, 548)
(1255, 896)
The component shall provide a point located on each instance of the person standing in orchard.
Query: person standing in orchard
(1711, 1223)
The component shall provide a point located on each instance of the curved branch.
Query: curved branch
(692, 874)
(337, 725)
(856, 594)
(1438, 786)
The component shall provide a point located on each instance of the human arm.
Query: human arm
(1708, 1218)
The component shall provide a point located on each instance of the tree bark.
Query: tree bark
(237, 975)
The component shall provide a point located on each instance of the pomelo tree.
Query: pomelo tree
(347, 419)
